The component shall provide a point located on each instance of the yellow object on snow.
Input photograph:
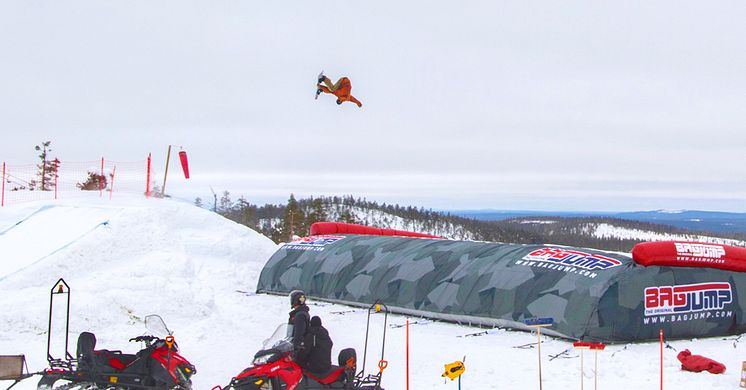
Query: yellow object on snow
(454, 370)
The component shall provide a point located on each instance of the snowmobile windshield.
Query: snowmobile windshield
(279, 340)
(155, 325)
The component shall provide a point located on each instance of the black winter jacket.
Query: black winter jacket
(316, 357)
(300, 321)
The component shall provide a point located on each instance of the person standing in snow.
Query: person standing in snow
(341, 89)
(298, 321)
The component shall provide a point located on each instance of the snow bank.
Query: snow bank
(123, 260)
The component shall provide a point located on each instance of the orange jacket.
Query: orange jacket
(343, 91)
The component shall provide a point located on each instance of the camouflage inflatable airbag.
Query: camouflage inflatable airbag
(591, 295)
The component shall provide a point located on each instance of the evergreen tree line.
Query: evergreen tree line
(281, 222)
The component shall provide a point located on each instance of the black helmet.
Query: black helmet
(339, 101)
(297, 298)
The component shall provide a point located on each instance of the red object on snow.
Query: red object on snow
(184, 163)
(698, 363)
(320, 228)
(690, 254)
(588, 345)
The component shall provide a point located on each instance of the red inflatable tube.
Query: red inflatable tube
(690, 254)
(184, 163)
(320, 228)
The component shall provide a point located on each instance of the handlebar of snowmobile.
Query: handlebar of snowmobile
(143, 338)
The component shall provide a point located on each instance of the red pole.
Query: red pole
(2, 197)
(661, 334)
(147, 180)
(56, 174)
(101, 182)
(111, 187)
(407, 353)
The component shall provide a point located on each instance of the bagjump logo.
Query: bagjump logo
(570, 261)
(687, 298)
(313, 243)
(687, 251)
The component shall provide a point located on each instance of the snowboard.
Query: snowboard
(318, 91)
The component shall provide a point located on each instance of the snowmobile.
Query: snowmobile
(274, 367)
(158, 366)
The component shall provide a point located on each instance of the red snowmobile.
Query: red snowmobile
(274, 368)
(158, 366)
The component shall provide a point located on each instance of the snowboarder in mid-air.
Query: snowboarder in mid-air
(341, 89)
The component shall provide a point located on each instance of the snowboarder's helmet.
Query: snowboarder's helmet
(297, 298)
(339, 101)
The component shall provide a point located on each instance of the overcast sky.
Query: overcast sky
(542, 105)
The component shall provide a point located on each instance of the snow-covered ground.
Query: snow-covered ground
(130, 257)
(605, 230)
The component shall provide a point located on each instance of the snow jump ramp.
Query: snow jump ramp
(46, 231)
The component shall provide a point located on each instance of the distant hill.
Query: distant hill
(693, 220)
(599, 231)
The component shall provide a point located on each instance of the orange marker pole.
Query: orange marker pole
(147, 179)
(661, 334)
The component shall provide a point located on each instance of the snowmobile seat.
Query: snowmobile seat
(86, 344)
(100, 360)
(348, 358)
(114, 359)
(332, 375)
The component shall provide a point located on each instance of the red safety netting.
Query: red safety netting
(59, 179)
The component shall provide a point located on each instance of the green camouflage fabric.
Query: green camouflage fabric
(590, 295)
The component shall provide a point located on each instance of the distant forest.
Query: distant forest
(281, 222)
